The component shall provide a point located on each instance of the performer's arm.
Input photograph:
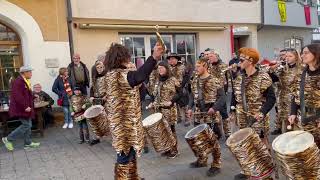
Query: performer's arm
(294, 107)
(137, 77)
(270, 100)
(221, 100)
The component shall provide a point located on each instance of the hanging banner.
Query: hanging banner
(307, 14)
(282, 11)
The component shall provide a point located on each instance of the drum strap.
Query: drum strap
(200, 102)
(301, 93)
(243, 95)
(158, 93)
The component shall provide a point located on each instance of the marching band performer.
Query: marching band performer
(98, 91)
(208, 97)
(220, 71)
(178, 71)
(288, 73)
(254, 97)
(123, 107)
(165, 96)
(307, 97)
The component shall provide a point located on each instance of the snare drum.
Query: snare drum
(251, 153)
(97, 119)
(159, 132)
(201, 140)
(298, 155)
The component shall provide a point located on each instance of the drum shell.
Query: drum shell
(160, 135)
(202, 143)
(98, 123)
(252, 154)
(299, 165)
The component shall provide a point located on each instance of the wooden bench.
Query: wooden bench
(39, 109)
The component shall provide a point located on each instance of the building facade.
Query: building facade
(293, 31)
(33, 33)
(188, 27)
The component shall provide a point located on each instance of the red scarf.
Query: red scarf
(67, 86)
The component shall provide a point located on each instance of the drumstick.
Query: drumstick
(199, 113)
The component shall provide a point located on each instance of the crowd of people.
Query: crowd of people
(180, 93)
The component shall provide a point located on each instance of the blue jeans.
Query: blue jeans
(23, 130)
(125, 159)
(67, 115)
(83, 124)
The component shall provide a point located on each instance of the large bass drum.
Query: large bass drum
(298, 155)
(251, 153)
(201, 140)
(159, 132)
(97, 119)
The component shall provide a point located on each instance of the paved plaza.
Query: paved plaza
(60, 157)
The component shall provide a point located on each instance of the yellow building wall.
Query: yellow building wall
(51, 15)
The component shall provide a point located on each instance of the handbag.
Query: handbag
(60, 101)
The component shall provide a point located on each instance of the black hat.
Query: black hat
(175, 55)
(77, 88)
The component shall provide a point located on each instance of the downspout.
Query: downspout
(69, 21)
(262, 16)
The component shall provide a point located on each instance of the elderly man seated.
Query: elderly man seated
(41, 96)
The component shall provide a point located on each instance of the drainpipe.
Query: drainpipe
(262, 16)
(69, 22)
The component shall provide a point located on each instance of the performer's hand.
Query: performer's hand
(211, 111)
(318, 124)
(259, 116)
(149, 106)
(189, 113)
(292, 118)
(157, 51)
(91, 99)
(169, 103)
(28, 109)
(83, 106)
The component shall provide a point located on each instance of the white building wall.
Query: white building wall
(216, 11)
(271, 39)
(35, 49)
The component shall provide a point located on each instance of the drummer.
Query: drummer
(98, 91)
(253, 97)
(307, 99)
(208, 97)
(166, 93)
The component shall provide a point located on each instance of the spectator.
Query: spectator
(94, 72)
(79, 74)
(41, 96)
(63, 88)
(21, 107)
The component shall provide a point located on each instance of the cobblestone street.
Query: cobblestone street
(61, 157)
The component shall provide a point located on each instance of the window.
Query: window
(10, 57)
(141, 46)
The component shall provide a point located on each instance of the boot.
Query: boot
(216, 130)
(121, 171)
(226, 128)
(81, 135)
(241, 176)
(213, 171)
(133, 171)
(86, 135)
(197, 164)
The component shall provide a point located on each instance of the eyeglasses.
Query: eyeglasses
(242, 59)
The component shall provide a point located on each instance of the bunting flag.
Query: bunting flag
(282, 10)
(307, 14)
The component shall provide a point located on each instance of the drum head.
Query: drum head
(196, 130)
(153, 118)
(239, 136)
(93, 111)
(293, 142)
